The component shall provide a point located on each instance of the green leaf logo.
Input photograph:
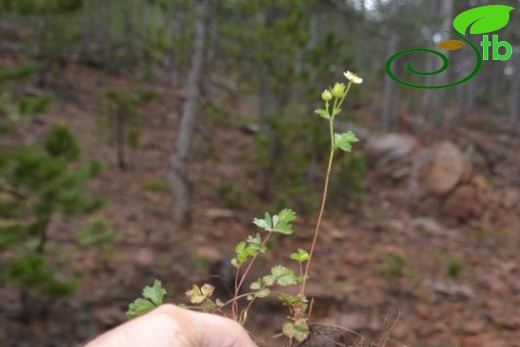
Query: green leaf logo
(483, 19)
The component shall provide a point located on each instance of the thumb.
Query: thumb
(215, 331)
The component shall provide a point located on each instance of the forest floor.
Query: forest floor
(458, 285)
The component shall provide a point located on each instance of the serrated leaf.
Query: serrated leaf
(289, 300)
(207, 290)
(196, 295)
(451, 45)
(482, 19)
(265, 223)
(208, 306)
(240, 247)
(283, 221)
(139, 307)
(243, 252)
(283, 276)
(155, 293)
(256, 243)
(153, 297)
(344, 141)
(279, 223)
(234, 262)
(269, 280)
(297, 331)
(263, 293)
(322, 113)
(256, 285)
(300, 256)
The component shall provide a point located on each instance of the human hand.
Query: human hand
(172, 326)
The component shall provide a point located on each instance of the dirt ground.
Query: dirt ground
(479, 308)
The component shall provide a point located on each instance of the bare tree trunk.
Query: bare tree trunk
(435, 98)
(515, 93)
(270, 110)
(465, 65)
(179, 184)
(120, 140)
(390, 103)
(270, 106)
(433, 7)
(174, 54)
(313, 42)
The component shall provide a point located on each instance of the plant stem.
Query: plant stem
(335, 109)
(238, 285)
(323, 200)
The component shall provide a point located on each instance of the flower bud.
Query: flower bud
(326, 95)
(338, 90)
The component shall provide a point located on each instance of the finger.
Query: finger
(216, 331)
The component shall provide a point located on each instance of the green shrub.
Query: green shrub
(393, 267)
(454, 266)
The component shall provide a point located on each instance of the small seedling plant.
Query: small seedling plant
(296, 328)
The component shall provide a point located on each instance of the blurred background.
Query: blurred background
(139, 138)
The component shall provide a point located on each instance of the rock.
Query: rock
(386, 148)
(438, 170)
(429, 226)
(444, 171)
(464, 203)
(452, 290)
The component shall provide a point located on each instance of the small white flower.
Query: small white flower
(352, 77)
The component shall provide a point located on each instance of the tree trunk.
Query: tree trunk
(270, 110)
(390, 103)
(515, 94)
(435, 98)
(270, 106)
(179, 184)
(120, 140)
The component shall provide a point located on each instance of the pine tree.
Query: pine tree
(37, 183)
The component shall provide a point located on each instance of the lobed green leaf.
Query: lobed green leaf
(139, 307)
(255, 243)
(282, 223)
(322, 113)
(300, 256)
(298, 331)
(344, 141)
